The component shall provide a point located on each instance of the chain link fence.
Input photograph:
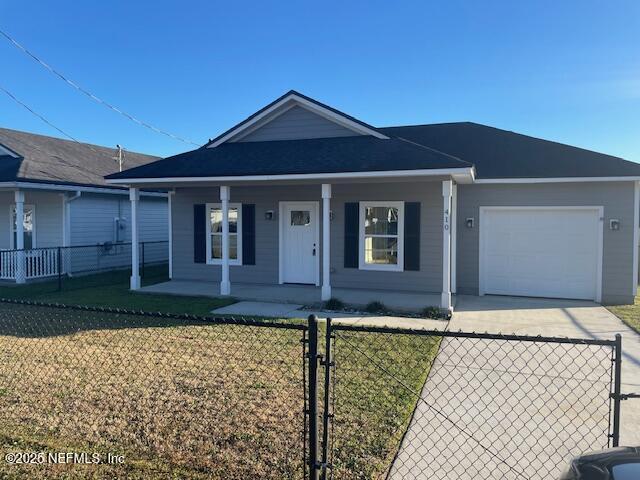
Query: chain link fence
(176, 396)
(465, 405)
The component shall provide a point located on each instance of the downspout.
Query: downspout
(66, 212)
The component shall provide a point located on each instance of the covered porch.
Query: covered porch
(387, 239)
(307, 295)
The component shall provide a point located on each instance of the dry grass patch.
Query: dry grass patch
(177, 399)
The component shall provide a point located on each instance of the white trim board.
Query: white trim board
(556, 180)
(636, 237)
(294, 99)
(74, 188)
(281, 218)
(467, 172)
(600, 247)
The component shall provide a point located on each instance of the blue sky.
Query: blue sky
(563, 70)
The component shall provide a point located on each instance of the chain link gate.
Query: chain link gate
(410, 404)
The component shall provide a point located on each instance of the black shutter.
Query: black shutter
(199, 234)
(351, 234)
(412, 236)
(248, 234)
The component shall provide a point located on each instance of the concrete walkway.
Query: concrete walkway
(533, 405)
(289, 310)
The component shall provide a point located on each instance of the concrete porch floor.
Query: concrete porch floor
(297, 294)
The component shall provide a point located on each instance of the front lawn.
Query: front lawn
(629, 314)
(111, 289)
(184, 399)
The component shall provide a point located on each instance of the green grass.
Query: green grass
(111, 289)
(629, 314)
(378, 380)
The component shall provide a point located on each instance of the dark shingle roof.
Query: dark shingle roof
(53, 160)
(495, 153)
(500, 153)
(289, 157)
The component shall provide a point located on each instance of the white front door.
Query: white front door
(299, 248)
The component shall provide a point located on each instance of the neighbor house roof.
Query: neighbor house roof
(291, 157)
(500, 153)
(42, 159)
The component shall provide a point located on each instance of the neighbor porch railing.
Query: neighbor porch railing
(23, 265)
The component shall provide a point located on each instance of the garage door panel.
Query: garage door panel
(544, 253)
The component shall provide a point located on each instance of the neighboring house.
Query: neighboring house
(315, 196)
(57, 187)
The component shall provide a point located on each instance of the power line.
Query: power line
(44, 119)
(91, 95)
(24, 105)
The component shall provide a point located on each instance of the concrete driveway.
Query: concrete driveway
(529, 404)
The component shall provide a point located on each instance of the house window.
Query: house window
(28, 223)
(382, 236)
(214, 234)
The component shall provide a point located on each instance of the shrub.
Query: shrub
(334, 304)
(375, 307)
(432, 312)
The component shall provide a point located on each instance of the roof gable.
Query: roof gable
(290, 101)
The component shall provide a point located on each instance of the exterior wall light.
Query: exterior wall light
(469, 222)
(268, 215)
(614, 224)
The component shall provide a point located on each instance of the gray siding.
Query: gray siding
(48, 218)
(428, 279)
(615, 197)
(297, 123)
(93, 216)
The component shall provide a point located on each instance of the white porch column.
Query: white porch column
(326, 241)
(134, 197)
(454, 238)
(445, 302)
(21, 274)
(170, 236)
(225, 285)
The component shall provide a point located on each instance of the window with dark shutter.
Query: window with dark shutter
(248, 234)
(412, 236)
(199, 233)
(351, 231)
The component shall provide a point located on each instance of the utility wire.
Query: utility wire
(31, 110)
(24, 105)
(91, 95)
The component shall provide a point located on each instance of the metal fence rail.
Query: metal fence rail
(178, 396)
(485, 407)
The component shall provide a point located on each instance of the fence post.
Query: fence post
(326, 414)
(59, 269)
(617, 394)
(313, 397)
(142, 260)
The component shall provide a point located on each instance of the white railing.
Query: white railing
(39, 263)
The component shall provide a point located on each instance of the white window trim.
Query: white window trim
(388, 268)
(216, 261)
(12, 231)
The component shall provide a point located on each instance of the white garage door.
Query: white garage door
(541, 252)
